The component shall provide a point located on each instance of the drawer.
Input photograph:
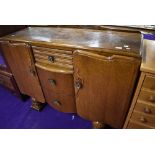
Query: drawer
(136, 125)
(145, 108)
(147, 96)
(144, 119)
(53, 57)
(56, 82)
(63, 103)
(6, 81)
(149, 82)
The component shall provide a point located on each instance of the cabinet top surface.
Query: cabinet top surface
(148, 61)
(127, 42)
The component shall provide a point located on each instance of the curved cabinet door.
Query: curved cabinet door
(103, 86)
(20, 61)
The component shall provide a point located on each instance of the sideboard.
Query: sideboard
(89, 72)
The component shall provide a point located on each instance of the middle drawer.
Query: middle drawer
(56, 82)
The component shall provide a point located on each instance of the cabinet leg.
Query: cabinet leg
(37, 105)
(98, 125)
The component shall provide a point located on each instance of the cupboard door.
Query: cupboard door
(103, 86)
(20, 60)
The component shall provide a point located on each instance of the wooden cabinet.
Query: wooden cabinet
(103, 86)
(20, 60)
(90, 72)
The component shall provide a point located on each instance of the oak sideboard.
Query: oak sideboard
(89, 72)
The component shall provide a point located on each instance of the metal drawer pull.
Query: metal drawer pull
(152, 99)
(56, 102)
(143, 120)
(52, 82)
(147, 110)
(78, 84)
(51, 58)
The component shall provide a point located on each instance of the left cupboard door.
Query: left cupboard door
(20, 60)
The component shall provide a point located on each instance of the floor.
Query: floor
(16, 114)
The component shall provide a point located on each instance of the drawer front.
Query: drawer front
(145, 108)
(56, 82)
(6, 81)
(147, 96)
(63, 103)
(135, 125)
(149, 82)
(145, 119)
(53, 57)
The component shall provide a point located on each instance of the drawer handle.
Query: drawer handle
(56, 102)
(78, 84)
(51, 58)
(152, 98)
(52, 82)
(143, 120)
(147, 110)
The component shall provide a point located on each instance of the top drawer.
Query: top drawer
(53, 57)
(149, 82)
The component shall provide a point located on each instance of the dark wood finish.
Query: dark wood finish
(7, 29)
(19, 58)
(58, 87)
(124, 43)
(103, 86)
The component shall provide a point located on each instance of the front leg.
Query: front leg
(37, 105)
(98, 125)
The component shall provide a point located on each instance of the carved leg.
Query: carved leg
(98, 125)
(37, 105)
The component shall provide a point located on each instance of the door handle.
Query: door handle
(78, 84)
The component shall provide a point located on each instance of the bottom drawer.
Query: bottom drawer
(143, 118)
(136, 125)
(63, 103)
(6, 81)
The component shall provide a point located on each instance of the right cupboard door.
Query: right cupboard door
(104, 86)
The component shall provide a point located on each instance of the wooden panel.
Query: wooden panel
(148, 96)
(19, 58)
(56, 82)
(136, 125)
(104, 86)
(145, 108)
(61, 102)
(134, 100)
(149, 82)
(143, 118)
(53, 57)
